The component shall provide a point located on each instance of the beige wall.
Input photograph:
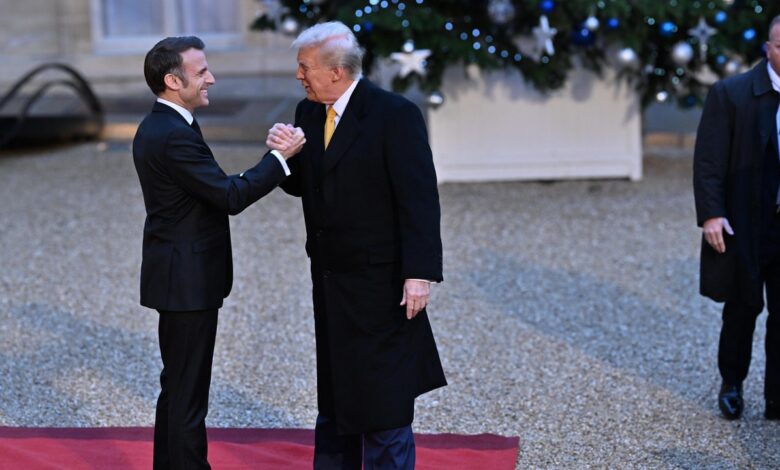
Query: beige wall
(37, 31)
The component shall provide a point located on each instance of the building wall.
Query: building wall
(38, 31)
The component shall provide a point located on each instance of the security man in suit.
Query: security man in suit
(736, 176)
(186, 269)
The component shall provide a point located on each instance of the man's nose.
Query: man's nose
(210, 79)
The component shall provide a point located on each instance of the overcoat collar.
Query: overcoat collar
(768, 102)
(761, 81)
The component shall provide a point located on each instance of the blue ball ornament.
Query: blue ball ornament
(667, 29)
(721, 17)
(689, 101)
(721, 59)
(749, 34)
(582, 36)
(547, 6)
(613, 23)
(368, 26)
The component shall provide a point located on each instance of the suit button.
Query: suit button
(326, 273)
(317, 189)
(318, 234)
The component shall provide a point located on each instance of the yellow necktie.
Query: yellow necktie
(330, 125)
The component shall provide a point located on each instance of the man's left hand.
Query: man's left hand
(416, 294)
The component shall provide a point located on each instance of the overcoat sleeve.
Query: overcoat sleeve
(191, 165)
(413, 180)
(711, 155)
(292, 185)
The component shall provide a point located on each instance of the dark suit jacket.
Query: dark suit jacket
(187, 261)
(372, 215)
(737, 129)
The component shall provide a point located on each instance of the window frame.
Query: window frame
(142, 43)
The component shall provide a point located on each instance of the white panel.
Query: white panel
(495, 127)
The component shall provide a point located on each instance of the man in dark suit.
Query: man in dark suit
(736, 176)
(371, 208)
(187, 262)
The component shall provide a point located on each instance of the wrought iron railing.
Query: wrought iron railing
(11, 128)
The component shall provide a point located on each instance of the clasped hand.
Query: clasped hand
(286, 139)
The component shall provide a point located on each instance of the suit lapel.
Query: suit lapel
(348, 130)
(314, 126)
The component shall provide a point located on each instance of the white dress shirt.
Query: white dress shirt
(341, 104)
(189, 118)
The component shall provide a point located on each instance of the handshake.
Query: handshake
(286, 139)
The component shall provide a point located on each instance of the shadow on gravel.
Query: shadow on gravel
(65, 346)
(671, 348)
(666, 347)
(760, 442)
(685, 458)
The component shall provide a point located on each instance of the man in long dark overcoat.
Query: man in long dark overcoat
(371, 208)
(736, 176)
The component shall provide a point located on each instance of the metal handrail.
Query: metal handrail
(76, 82)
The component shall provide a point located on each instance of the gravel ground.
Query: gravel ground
(569, 315)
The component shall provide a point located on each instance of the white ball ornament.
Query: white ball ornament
(290, 25)
(627, 57)
(682, 53)
(435, 99)
(592, 23)
(501, 11)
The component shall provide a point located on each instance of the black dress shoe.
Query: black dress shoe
(772, 410)
(730, 401)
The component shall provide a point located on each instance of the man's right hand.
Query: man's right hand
(286, 139)
(713, 232)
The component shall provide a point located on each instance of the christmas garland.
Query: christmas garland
(666, 49)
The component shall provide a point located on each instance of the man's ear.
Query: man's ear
(172, 81)
(337, 73)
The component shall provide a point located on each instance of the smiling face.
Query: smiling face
(192, 91)
(323, 83)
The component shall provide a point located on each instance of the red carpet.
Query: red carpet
(131, 448)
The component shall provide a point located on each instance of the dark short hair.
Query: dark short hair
(775, 22)
(165, 58)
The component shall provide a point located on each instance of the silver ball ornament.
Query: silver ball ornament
(592, 23)
(732, 67)
(435, 99)
(627, 57)
(501, 11)
(662, 96)
(408, 47)
(290, 25)
(682, 53)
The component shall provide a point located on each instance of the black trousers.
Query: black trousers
(736, 335)
(187, 348)
(392, 449)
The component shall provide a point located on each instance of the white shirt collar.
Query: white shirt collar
(184, 113)
(341, 104)
(774, 77)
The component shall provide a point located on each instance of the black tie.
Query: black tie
(195, 126)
